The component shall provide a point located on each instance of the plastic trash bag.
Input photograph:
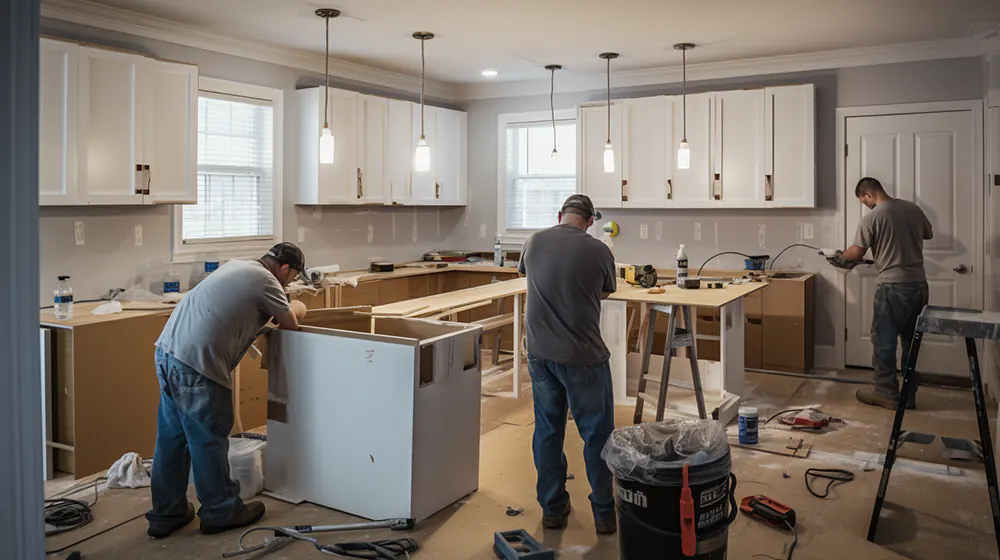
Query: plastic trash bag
(138, 293)
(109, 308)
(655, 453)
(246, 465)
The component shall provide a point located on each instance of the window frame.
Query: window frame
(504, 120)
(197, 250)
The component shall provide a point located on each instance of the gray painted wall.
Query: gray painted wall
(732, 230)
(109, 258)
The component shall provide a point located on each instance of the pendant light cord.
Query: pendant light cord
(609, 100)
(684, 73)
(326, 72)
(422, 67)
(552, 107)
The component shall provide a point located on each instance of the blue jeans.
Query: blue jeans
(586, 391)
(897, 307)
(195, 418)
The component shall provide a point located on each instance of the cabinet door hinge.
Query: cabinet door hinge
(717, 186)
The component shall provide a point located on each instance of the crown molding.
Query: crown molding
(805, 62)
(110, 18)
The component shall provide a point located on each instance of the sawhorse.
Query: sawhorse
(677, 337)
(947, 321)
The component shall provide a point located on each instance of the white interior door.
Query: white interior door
(927, 158)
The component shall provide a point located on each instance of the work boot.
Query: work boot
(870, 397)
(252, 512)
(557, 521)
(162, 529)
(606, 526)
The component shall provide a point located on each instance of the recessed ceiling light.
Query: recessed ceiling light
(489, 73)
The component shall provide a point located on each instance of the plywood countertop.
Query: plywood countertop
(450, 300)
(415, 269)
(82, 315)
(714, 298)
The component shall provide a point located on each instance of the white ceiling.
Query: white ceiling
(518, 37)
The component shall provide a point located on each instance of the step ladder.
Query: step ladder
(677, 337)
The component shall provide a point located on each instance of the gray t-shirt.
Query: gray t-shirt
(895, 231)
(213, 326)
(567, 271)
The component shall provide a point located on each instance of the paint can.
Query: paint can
(748, 425)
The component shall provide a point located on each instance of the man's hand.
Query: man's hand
(854, 253)
(287, 320)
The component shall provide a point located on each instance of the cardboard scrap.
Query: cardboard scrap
(840, 543)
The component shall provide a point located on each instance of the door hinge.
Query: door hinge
(142, 179)
(717, 186)
(624, 190)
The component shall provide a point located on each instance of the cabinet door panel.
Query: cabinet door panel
(57, 104)
(173, 116)
(338, 181)
(646, 155)
(604, 189)
(692, 186)
(739, 161)
(791, 139)
(372, 153)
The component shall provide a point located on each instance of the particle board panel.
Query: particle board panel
(113, 363)
(318, 300)
(787, 325)
(453, 280)
(715, 298)
(63, 388)
(82, 315)
(392, 290)
(435, 304)
(365, 293)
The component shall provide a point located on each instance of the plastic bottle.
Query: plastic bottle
(682, 263)
(62, 298)
(171, 282)
(497, 252)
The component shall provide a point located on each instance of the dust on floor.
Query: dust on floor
(926, 516)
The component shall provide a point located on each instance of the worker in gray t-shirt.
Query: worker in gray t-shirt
(569, 272)
(203, 341)
(895, 231)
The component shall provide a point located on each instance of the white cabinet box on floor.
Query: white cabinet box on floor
(379, 425)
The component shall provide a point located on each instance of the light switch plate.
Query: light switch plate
(697, 231)
(138, 235)
(807, 231)
(643, 231)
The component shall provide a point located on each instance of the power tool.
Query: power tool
(768, 510)
(643, 275)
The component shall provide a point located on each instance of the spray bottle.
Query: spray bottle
(682, 264)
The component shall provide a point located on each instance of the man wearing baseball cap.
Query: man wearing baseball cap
(205, 338)
(569, 272)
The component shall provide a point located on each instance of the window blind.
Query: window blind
(235, 171)
(538, 184)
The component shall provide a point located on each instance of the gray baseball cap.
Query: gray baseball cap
(582, 203)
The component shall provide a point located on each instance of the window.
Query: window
(239, 174)
(533, 185)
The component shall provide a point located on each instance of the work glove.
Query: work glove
(838, 261)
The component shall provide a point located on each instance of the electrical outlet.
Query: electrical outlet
(643, 231)
(78, 232)
(697, 231)
(138, 235)
(807, 231)
(482, 231)
(302, 234)
(659, 231)
(761, 236)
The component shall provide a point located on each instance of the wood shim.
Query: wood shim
(776, 444)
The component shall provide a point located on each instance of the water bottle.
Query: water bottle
(62, 297)
(682, 263)
(172, 283)
(497, 252)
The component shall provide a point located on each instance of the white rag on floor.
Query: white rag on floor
(128, 472)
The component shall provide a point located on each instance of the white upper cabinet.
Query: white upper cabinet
(110, 169)
(692, 187)
(603, 188)
(738, 178)
(790, 146)
(647, 158)
(58, 72)
(373, 160)
(423, 184)
(450, 157)
(115, 128)
(400, 148)
(171, 125)
(329, 183)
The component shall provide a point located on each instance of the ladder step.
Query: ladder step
(649, 399)
(672, 383)
(682, 341)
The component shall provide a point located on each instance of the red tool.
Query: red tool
(689, 541)
(769, 511)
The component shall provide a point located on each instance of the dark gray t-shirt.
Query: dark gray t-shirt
(213, 326)
(895, 231)
(567, 271)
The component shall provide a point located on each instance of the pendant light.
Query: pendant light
(683, 150)
(326, 140)
(552, 106)
(422, 155)
(609, 151)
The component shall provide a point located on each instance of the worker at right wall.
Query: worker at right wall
(895, 231)
(569, 273)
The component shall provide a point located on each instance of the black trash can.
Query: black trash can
(648, 462)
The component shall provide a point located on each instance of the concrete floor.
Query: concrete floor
(927, 516)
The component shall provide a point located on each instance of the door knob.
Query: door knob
(961, 269)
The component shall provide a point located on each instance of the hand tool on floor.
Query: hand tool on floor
(386, 549)
(971, 325)
(519, 545)
(774, 513)
(642, 275)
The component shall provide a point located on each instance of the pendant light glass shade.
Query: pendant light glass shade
(326, 141)
(609, 158)
(684, 156)
(326, 145)
(422, 156)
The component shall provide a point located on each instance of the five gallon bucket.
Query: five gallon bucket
(648, 462)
